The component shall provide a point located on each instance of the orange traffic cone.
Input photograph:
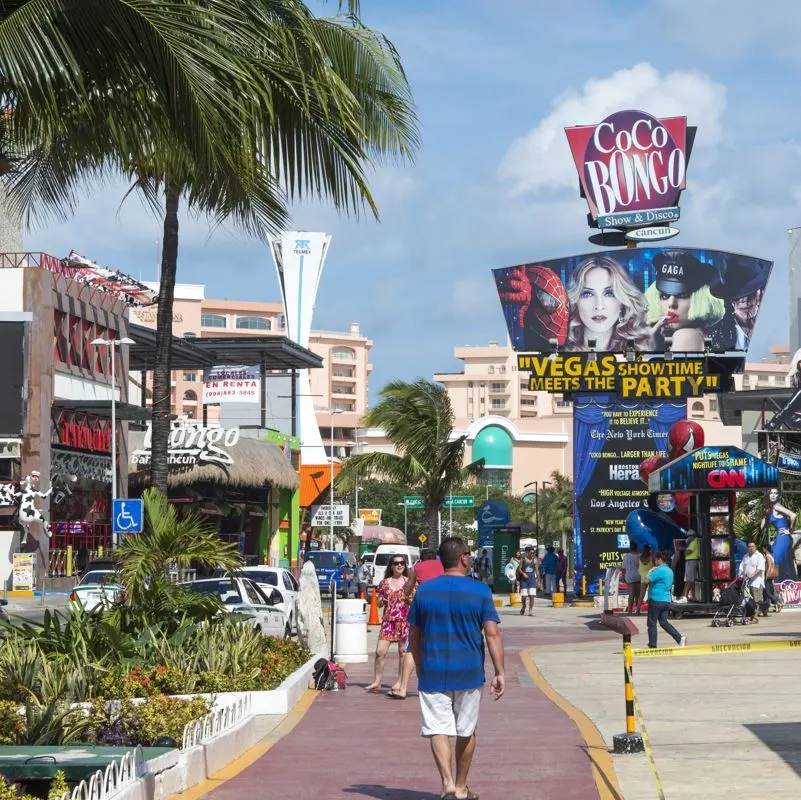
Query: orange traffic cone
(361, 596)
(373, 619)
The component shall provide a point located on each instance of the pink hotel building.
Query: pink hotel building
(342, 382)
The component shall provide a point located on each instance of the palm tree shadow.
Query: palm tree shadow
(388, 792)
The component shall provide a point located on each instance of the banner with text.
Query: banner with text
(232, 384)
(611, 437)
(638, 379)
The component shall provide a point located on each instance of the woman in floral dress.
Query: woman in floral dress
(394, 625)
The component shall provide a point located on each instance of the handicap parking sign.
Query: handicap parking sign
(128, 516)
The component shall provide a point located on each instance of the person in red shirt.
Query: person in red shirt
(428, 567)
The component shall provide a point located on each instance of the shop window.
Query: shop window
(212, 320)
(190, 377)
(254, 323)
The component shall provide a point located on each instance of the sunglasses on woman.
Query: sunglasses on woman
(398, 563)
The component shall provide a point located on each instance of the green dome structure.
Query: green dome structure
(494, 444)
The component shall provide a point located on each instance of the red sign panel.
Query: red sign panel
(632, 167)
(83, 432)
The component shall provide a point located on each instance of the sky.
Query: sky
(494, 184)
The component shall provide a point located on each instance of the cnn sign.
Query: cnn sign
(632, 167)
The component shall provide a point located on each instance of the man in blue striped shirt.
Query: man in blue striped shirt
(450, 617)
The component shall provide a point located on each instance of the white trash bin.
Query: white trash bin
(350, 632)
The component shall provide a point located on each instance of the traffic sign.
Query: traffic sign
(414, 501)
(423, 538)
(128, 516)
(459, 501)
(321, 516)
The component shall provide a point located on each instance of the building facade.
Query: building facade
(341, 384)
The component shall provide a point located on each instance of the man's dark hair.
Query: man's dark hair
(633, 546)
(451, 550)
(427, 554)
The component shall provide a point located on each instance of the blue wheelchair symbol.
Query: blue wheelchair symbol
(128, 516)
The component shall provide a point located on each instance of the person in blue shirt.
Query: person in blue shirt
(450, 618)
(660, 582)
(549, 563)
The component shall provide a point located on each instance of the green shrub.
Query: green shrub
(12, 724)
(10, 791)
(59, 787)
(280, 658)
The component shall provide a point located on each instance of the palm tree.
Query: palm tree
(556, 507)
(169, 542)
(418, 419)
(282, 105)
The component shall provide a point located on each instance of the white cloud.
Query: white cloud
(541, 159)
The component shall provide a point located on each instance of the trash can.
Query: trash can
(350, 632)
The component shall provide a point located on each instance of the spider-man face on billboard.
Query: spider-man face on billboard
(536, 299)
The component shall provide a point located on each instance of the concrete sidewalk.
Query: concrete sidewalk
(351, 744)
(720, 725)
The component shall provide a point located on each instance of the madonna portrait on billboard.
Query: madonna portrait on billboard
(607, 308)
(680, 304)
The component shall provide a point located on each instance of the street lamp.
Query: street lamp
(112, 345)
(355, 444)
(535, 484)
(332, 411)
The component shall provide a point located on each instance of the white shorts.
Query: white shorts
(450, 713)
(526, 591)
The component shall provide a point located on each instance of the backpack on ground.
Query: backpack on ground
(329, 675)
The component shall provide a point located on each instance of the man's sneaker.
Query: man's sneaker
(680, 600)
(683, 642)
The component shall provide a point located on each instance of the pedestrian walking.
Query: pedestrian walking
(772, 596)
(364, 576)
(527, 575)
(428, 567)
(752, 568)
(450, 619)
(631, 573)
(549, 564)
(646, 562)
(511, 572)
(394, 624)
(561, 570)
(483, 567)
(660, 583)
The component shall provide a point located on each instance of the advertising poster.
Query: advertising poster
(231, 384)
(611, 437)
(23, 572)
(648, 299)
(370, 516)
(714, 468)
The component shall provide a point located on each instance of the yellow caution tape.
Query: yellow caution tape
(716, 649)
(660, 792)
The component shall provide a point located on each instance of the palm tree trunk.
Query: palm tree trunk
(431, 518)
(162, 367)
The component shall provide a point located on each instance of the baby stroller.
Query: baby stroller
(736, 605)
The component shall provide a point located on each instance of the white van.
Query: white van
(384, 553)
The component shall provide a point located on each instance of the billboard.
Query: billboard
(714, 468)
(650, 299)
(632, 168)
(611, 437)
(232, 384)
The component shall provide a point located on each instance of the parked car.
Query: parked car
(282, 581)
(242, 596)
(96, 588)
(332, 568)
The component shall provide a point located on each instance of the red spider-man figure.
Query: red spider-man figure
(538, 301)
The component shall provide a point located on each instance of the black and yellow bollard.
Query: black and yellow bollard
(630, 741)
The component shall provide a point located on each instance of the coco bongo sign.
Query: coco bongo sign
(632, 168)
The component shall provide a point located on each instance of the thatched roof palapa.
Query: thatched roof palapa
(256, 464)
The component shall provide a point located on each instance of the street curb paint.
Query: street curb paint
(602, 766)
(249, 757)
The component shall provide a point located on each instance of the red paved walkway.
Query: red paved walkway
(354, 745)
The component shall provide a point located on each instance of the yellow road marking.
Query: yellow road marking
(603, 770)
(250, 756)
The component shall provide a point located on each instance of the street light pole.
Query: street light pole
(113, 344)
(331, 506)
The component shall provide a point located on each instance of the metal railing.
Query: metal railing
(107, 784)
(217, 722)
